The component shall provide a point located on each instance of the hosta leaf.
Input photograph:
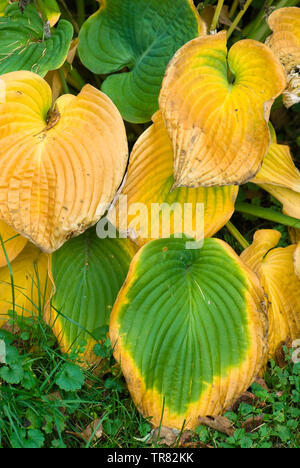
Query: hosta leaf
(50, 10)
(289, 198)
(25, 46)
(189, 330)
(3, 6)
(31, 288)
(13, 243)
(216, 105)
(88, 273)
(297, 260)
(141, 36)
(285, 43)
(59, 168)
(276, 271)
(279, 169)
(285, 40)
(294, 235)
(150, 180)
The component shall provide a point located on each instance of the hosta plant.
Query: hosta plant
(138, 139)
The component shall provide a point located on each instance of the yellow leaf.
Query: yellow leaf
(289, 199)
(30, 284)
(285, 40)
(149, 181)
(59, 170)
(294, 235)
(285, 43)
(13, 243)
(216, 105)
(276, 271)
(297, 260)
(279, 168)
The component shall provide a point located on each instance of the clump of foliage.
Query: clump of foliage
(174, 127)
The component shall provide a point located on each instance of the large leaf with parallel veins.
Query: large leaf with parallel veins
(216, 106)
(27, 291)
(150, 180)
(140, 37)
(25, 45)
(276, 271)
(88, 273)
(189, 330)
(61, 165)
(11, 244)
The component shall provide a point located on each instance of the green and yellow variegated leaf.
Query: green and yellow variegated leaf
(150, 181)
(11, 243)
(29, 290)
(88, 273)
(138, 38)
(276, 271)
(3, 6)
(189, 330)
(25, 46)
(50, 10)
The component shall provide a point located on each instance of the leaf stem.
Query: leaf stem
(258, 29)
(71, 17)
(268, 214)
(216, 17)
(63, 80)
(237, 235)
(80, 12)
(233, 8)
(238, 18)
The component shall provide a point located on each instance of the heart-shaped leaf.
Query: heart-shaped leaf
(11, 244)
(150, 180)
(88, 273)
(189, 330)
(216, 105)
(58, 169)
(30, 288)
(285, 40)
(25, 45)
(276, 271)
(278, 168)
(285, 43)
(141, 36)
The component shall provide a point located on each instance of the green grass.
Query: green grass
(47, 400)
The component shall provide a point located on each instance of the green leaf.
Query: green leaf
(189, 330)
(12, 374)
(70, 378)
(3, 6)
(25, 45)
(28, 439)
(142, 36)
(88, 273)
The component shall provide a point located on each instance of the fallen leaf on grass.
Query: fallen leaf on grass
(218, 423)
(280, 355)
(248, 398)
(94, 430)
(164, 436)
(253, 423)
